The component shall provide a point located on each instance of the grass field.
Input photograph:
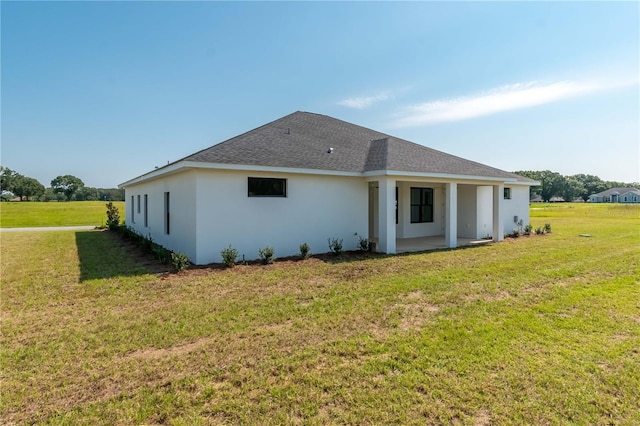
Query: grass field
(539, 330)
(31, 214)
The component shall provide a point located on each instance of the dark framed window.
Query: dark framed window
(396, 205)
(267, 187)
(138, 203)
(421, 205)
(507, 193)
(133, 220)
(167, 217)
(146, 210)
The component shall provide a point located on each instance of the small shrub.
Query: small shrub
(147, 244)
(266, 254)
(229, 256)
(539, 230)
(363, 243)
(113, 217)
(547, 227)
(527, 229)
(516, 233)
(305, 250)
(335, 245)
(180, 261)
(160, 253)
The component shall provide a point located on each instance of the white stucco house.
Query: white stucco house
(308, 177)
(617, 195)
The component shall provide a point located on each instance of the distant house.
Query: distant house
(307, 178)
(616, 195)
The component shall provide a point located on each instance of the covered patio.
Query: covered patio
(429, 213)
(406, 245)
(437, 242)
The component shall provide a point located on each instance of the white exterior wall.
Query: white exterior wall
(475, 211)
(406, 229)
(518, 205)
(484, 222)
(182, 236)
(211, 209)
(467, 211)
(316, 208)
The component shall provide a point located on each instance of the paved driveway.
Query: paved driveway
(49, 228)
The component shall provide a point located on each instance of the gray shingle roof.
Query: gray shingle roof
(617, 191)
(302, 139)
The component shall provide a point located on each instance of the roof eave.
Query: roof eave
(180, 165)
(441, 176)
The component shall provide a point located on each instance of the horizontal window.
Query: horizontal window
(267, 187)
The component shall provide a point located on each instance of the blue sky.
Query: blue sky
(108, 90)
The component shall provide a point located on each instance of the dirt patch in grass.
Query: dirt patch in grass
(414, 311)
(482, 418)
(170, 352)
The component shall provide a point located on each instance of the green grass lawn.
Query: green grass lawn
(32, 214)
(535, 330)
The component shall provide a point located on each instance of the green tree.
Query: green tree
(49, 195)
(7, 177)
(550, 183)
(86, 194)
(27, 187)
(590, 185)
(571, 188)
(67, 184)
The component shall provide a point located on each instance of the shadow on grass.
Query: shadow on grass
(104, 255)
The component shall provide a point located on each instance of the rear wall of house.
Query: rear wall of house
(316, 208)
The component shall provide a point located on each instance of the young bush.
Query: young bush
(539, 230)
(335, 245)
(305, 250)
(527, 229)
(113, 217)
(147, 244)
(363, 243)
(180, 261)
(547, 227)
(516, 233)
(229, 256)
(266, 254)
(160, 253)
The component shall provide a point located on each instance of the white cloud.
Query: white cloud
(505, 98)
(363, 102)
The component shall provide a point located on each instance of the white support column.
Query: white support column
(387, 215)
(498, 227)
(451, 215)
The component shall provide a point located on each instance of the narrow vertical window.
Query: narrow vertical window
(132, 212)
(167, 222)
(507, 193)
(396, 205)
(138, 203)
(146, 211)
